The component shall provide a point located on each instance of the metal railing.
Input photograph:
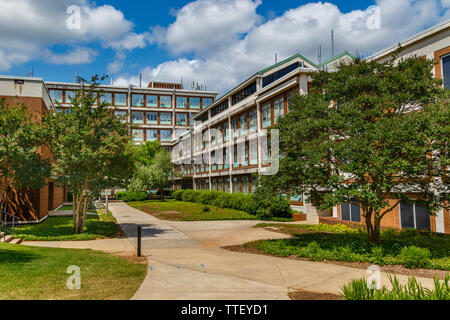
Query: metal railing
(8, 220)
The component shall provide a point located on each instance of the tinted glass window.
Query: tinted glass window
(446, 71)
(422, 218)
(345, 211)
(120, 99)
(406, 215)
(355, 212)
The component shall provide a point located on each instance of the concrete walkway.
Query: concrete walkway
(186, 262)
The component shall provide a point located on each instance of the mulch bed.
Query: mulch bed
(309, 295)
(395, 269)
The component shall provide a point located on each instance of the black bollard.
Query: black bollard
(139, 240)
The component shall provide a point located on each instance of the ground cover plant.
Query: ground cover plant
(410, 248)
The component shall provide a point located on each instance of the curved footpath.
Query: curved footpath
(186, 261)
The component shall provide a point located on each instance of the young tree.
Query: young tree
(382, 138)
(92, 150)
(145, 153)
(22, 166)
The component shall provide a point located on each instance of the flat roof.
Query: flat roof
(419, 36)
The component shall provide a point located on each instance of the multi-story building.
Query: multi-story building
(432, 44)
(222, 151)
(33, 93)
(160, 112)
(227, 149)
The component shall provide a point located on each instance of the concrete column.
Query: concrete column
(230, 148)
(440, 224)
(260, 149)
(335, 212)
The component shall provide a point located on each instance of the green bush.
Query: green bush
(360, 290)
(265, 208)
(178, 195)
(415, 257)
(129, 196)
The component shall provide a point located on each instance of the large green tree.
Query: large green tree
(155, 176)
(385, 135)
(23, 167)
(92, 149)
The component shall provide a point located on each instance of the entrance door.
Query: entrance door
(51, 187)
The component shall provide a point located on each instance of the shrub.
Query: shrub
(280, 207)
(188, 195)
(129, 196)
(360, 290)
(206, 209)
(223, 200)
(178, 195)
(415, 257)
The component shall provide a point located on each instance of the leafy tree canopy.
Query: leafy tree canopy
(366, 133)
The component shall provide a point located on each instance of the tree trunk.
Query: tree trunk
(373, 228)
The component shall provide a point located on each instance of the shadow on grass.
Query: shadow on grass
(16, 257)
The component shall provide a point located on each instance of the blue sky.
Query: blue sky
(213, 42)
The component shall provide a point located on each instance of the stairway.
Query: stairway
(9, 239)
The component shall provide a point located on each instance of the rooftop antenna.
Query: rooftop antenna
(31, 73)
(112, 81)
(332, 43)
(319, 54)
(140, 80)
(276, 58)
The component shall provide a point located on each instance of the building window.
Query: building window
(138, 117)
(138, 100)
(446, 71)
(254, 152)
(235, 126)
(245, 184)
(414, 216)
(213, 135)
(181, 119)
(191, 119)
(278, 109)
(227, 185)
(70, 95)
(213, 161)
(236, 185)
(243, 124)
(56, 95)
(244, 93)
(226, 131)
(152, 101)
(194, 103)
(166, 135)
(165, 101)
(235, 156)
(152, 135)
(253, 184)
(350, 212)
(290, 95)
(138, 135)
(181, 102)
(152, 117)
(253, 121)
(207, 102)
(120, 99)
(266, 115)
(165, 118)
(106, 98)
(243, 148)
(226, 162)
(122, 115)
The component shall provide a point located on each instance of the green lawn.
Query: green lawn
(187, 211)
(340, 243)
(61, 229)
(70, 208)
(34, 273)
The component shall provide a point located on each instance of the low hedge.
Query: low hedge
(276, 206)
(128, 196)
